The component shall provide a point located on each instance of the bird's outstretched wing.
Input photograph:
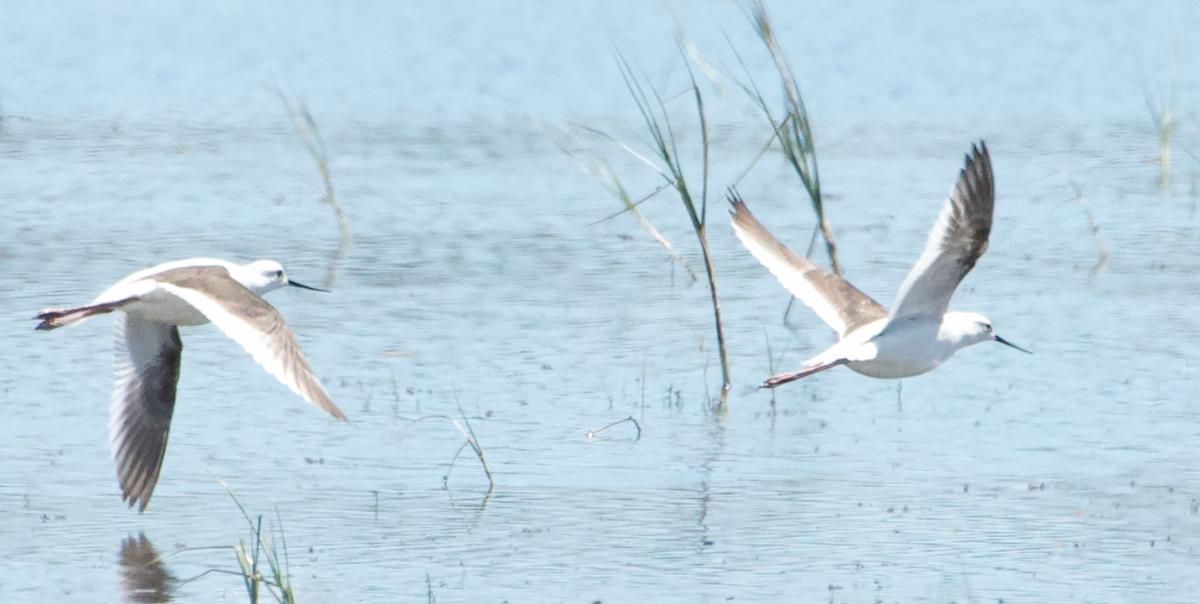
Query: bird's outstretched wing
(956, 242)
(837, 302)
(147, 361)
(250, 321)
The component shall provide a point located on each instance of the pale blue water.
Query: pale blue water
(480, 278)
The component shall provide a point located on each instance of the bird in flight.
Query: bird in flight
(917, 334)
(153, 303)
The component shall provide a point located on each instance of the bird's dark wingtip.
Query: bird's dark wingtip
(134, 501)
(735, 200)
(979, 151)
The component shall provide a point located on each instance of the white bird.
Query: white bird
(153, 303)
(917, 335)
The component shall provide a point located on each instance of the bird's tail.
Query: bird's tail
(53, 318)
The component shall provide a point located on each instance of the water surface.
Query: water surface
(482, 279)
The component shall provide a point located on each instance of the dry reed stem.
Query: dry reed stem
(310, 135)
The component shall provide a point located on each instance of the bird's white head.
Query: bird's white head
(966, 328)
(263, 276)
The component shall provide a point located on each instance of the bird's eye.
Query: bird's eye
(278, 273)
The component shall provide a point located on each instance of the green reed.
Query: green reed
(664, 147)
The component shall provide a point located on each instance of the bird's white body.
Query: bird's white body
(918, 334)
(153, 304)
(906, 349)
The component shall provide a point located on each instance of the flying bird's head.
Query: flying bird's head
(263, 276)
(967, 328)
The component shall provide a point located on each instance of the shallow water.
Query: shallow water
(480, 279)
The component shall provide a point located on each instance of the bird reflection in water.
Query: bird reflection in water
(143, 576)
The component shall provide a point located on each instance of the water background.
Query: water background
(482, 278)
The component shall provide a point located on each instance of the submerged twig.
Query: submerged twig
(592, 433)
(310, 135)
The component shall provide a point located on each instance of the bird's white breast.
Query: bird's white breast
(163, 307)
(903, 351)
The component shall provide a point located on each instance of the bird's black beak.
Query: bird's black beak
(303, 286)
(1007, 343)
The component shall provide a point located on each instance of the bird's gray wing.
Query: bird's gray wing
(147, 364)
(956, 242)
(250, 321)
(838, 303)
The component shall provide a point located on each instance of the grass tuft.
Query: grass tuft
(277, 579)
